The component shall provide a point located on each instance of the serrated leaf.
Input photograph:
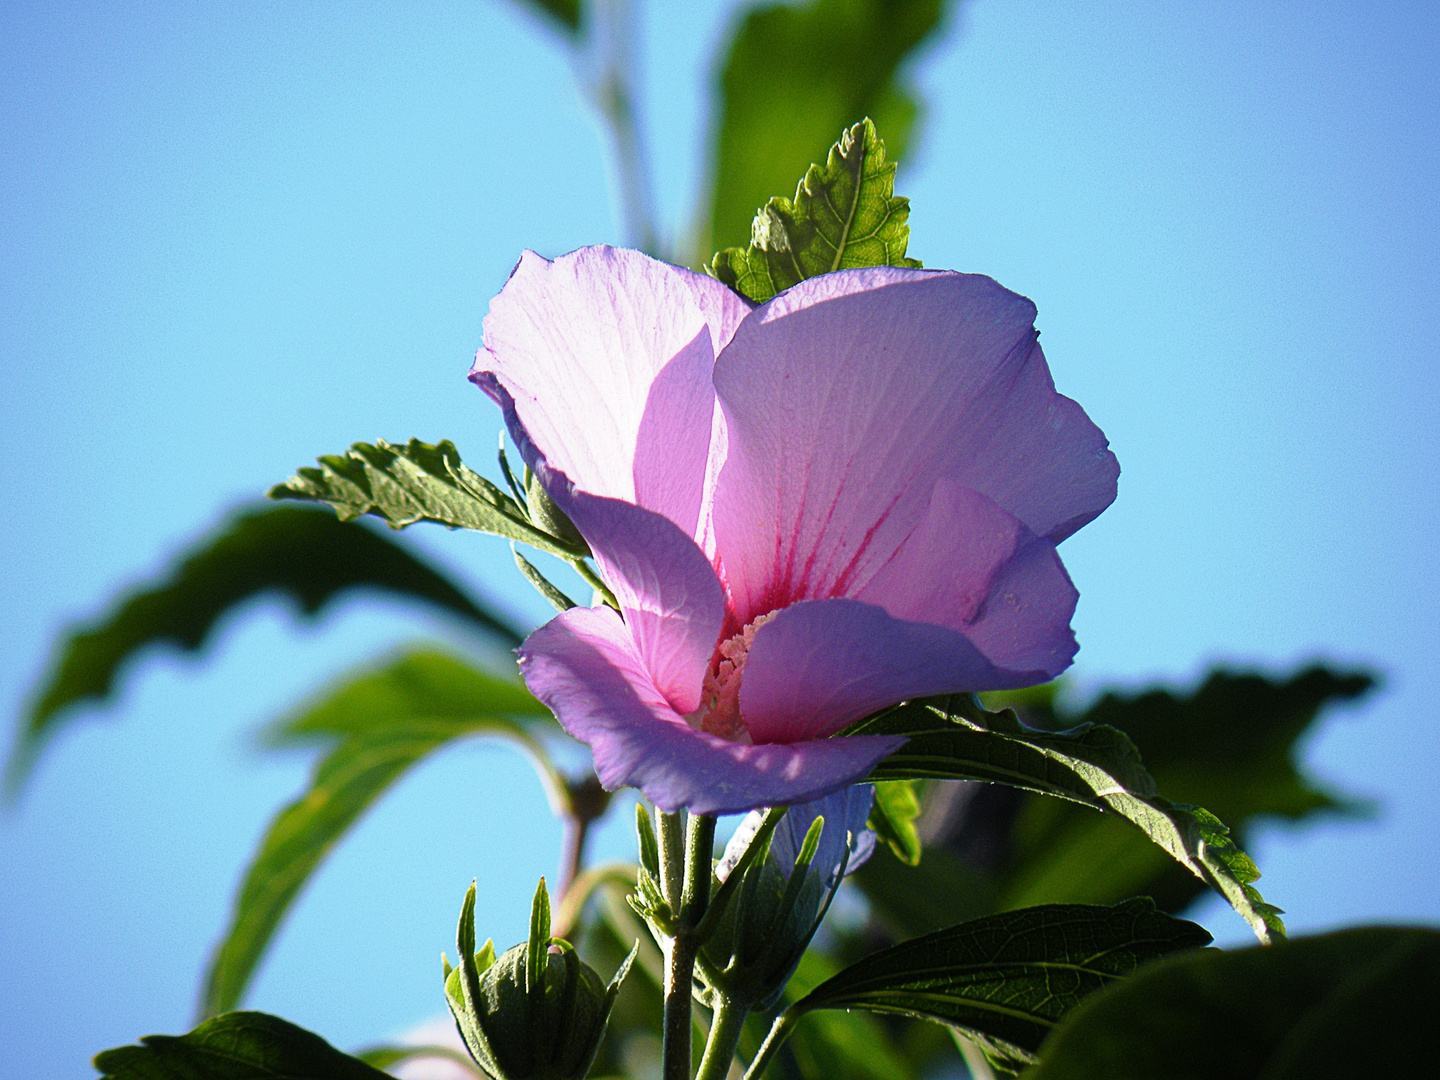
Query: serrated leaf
(1005, 980)
(953, 738)
(386, 720)
(892, 817)
(844, 215)
(416, 482)
(236, 1046)
(1229, 745)
(305, 555)
(793, 76)
(1357, 1002)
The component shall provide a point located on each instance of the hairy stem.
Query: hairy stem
(685, 869)
(725, 1029)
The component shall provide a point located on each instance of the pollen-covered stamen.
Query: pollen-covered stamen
(719, 712)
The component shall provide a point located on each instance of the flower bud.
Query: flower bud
(783, 896)
(535, 1013)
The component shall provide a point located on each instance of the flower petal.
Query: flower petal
(845, 813)
(584, 666)
(846, 397)
(974, 568)
(606, 358)
(821, 664)
(673, 603)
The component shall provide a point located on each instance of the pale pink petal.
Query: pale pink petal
(605, 356)
(848, 396)
(974, 568)
(821, 664)
(673, 603)
(584, 666)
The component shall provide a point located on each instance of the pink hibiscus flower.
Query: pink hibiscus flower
(807, 510)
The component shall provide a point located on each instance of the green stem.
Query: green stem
(725, 1029)
(779, 1032)
(679, 972)
(685, 870)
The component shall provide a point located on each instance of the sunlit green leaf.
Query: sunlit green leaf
(893, 818)
(1230, 745)
(236, 1046)
(1354, 1003)
(1006, 980)
(794, 76)
(953, 738)
(844, 215)
(305, 555)
(417, 482)
(380, 724)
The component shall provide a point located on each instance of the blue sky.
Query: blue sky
(233, 237)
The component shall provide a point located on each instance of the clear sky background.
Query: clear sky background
(236, 236)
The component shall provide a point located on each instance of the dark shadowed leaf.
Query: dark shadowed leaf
(305, 555)
(379, 724)
(1354, 1003)
(953, 738)
(236, 1046)
(794, 75)
(1006, 980)
(1230, 745)
(844, 215)
(417, 482)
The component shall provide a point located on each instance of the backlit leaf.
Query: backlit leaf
(305, 555)
(844, 215)
(417, 482)
(379, 724)
(953, 738)
(1005, 980)
(893, 818)
(793, 76)
(1229, 745)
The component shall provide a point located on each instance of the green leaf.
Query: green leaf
(833, 1044)
(844, 215)
(236, 1046)
(417, 482)
(794, 75)
(1230, 745)
(565, 15)
(1354, 1003)
(1006, 980)
(303, 554)
(379, 723)
(893, 818)
(953, 738)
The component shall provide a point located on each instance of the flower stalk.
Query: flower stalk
(685, 870)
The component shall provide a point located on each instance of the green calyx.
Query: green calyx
(765, 928)
(537, 1012)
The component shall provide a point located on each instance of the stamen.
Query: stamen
(719, 712)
